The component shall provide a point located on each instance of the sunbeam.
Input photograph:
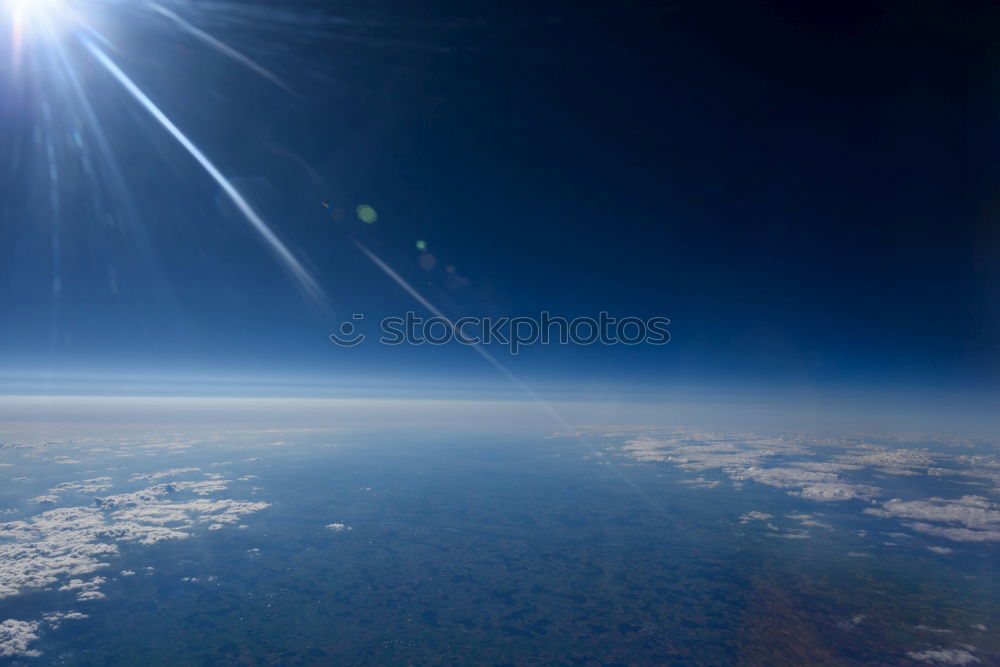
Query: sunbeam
(221, 47)
(306, 280)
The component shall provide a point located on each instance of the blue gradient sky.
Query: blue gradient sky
(810, 198)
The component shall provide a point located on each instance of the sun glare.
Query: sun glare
(29, 9)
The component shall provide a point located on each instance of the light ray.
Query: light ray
(221, 47)
(293, 265)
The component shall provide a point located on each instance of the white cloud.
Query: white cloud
(70, 542)
(166, 474)
(830, 491)
(701, 482)
(853, 622)
(750, 458)
(16, 637)
(206, 487)
(793, 534)
(796, 464)
(939, 631)
(81, 585)
(87, 596)
(86, 486)
(945, 656)
(55, 618)
(87, 590)
(955, 534)
(896, 458)
(808, 520)
(977, 519)
(338, 527)
(60, 543)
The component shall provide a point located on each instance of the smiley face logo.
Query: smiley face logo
(348, 335)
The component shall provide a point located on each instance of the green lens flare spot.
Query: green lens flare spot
(421, 245)
(367, 214)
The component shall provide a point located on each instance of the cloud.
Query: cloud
(832, 491)
(55, 618)
(754, 515)
(338, 527)
(955, 534)
(853, 622)
(81, 585)
(86, 486)
(87, 590)
(891, 459)
(827, 469)
(971, 518)
(87, 596)
(56, 544)
(69, 542)
(945, 656)
(701, 482)
(941, 550)
(808, 520)
(751, 459)
(793, 535)
(16, 637)
(206, 487)
(927, 628)
(166, 474)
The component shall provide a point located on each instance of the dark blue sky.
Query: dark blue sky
(808, 193)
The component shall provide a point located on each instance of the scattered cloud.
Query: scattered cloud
(81, 585)
(967, 519)
(852, 622)
(752, 458)
(68, 542)
(16, 637)
(166, 474)
(701, 482)
(808, 520)
(87, 596)
(55, 618)
(940, 550)
(833, 469)
(945, 656)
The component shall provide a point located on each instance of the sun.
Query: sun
(29, 9)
